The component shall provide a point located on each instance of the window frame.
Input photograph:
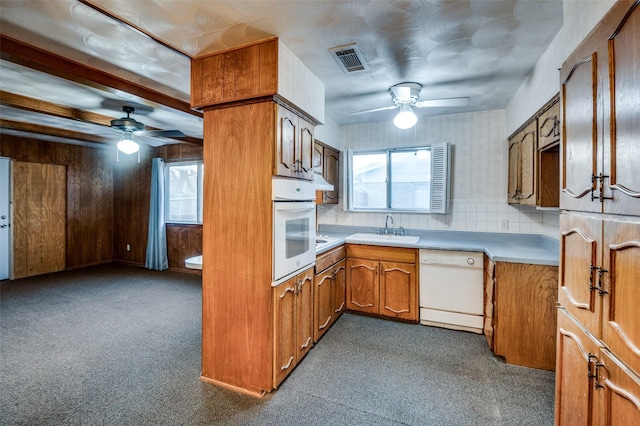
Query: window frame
(440, 156)
(199, 191)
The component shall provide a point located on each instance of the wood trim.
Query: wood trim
(51, 131)
(50, 108)
(27, 55)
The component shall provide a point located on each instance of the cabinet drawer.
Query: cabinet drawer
(389, 254)
(327, 259)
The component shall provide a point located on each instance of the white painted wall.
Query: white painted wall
(479, 201)
(580, 17)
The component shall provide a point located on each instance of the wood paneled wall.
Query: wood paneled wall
(108, 200)
(89, 224)
(131, 195)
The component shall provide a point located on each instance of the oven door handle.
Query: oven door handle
(302, 207)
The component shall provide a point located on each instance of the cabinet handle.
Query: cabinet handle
(306, 343)
(339, 308)
(325, 324)
(287, 290)
(284, 367)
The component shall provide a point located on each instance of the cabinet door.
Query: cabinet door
(287, 132)
(528, 144)
(549, 126)
(620, 392)
(305, 150)
(331, 174)
(574, 387)
(318, 158)
(398, 290)
(580, 241)
(323, 305)
(284, 329)
(622, 103)
(621, 321)
(304, 314)
(362, 285)
(580, 129)
(513, 183)
(339, 289)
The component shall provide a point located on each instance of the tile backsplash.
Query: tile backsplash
(479, 176)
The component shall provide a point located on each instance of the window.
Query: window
(183, 192)
(406, 179)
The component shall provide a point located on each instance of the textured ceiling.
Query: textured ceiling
(481, 49)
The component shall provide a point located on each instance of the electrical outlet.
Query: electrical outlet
(128, 247)
(504, 224)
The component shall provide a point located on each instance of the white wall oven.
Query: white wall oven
(294, 227)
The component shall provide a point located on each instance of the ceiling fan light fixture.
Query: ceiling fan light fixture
(406, 118)
(127, 144)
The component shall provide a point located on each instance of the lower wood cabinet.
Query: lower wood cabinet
(593, 387)
(382, 281)
(293, 323)
(329, 292)
(520, 317)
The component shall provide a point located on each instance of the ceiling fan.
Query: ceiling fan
(129, 126)
(405, 96)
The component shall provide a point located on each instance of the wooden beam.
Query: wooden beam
(30, 56)
(39, 129)
(45, 107)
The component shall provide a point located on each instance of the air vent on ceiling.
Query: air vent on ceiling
(349, 58)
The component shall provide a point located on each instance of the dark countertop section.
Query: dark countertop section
(499, 247)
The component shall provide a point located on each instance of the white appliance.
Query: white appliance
(294, 227)
(452, 289)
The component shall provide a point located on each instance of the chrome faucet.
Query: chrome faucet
(386, 223)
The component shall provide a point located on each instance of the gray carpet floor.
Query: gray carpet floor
(119, 345)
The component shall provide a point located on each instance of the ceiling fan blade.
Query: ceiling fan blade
(449, 102)
(163, 133)
(374, 110)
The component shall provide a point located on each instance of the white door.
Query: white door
(5, 224)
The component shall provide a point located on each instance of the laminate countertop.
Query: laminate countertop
(500, 247)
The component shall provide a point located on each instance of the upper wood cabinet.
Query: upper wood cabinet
(534, 160)
(294, 145)
(234, 75)
(600, 122)
(326, 162)
(522, 171)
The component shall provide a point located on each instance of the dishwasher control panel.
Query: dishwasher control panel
(452, 258)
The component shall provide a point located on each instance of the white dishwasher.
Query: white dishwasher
(452, 289)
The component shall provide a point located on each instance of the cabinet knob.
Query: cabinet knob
(470, 261)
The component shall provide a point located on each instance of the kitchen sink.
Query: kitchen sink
(364, 238)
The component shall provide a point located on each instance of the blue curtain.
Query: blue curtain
(157, 236)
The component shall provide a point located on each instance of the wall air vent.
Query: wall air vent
(349, 58)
